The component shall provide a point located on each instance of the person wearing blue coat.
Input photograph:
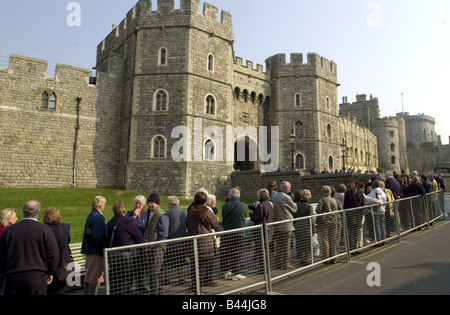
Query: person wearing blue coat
(94, 242)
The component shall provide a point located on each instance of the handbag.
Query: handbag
(61, 272)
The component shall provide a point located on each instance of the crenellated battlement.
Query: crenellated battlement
(313, 65)
(249, 69)
(189, 14)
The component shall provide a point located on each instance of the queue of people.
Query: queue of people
(30, 270)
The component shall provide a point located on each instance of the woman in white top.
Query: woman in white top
(379, 211)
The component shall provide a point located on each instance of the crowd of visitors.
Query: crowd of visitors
(30, 269)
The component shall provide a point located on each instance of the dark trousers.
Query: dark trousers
(155, 258)
(231, 252)
(30, 283)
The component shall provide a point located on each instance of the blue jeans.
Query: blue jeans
(380, 227)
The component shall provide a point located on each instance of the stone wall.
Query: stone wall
(251, 181)
(37, 144)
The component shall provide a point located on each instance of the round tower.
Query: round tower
(387, 131)
(404, 164)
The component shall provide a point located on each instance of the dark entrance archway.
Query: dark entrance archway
(249, 161)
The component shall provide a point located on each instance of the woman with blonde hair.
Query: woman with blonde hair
(94, 241)
(52, 218)
(7, 217)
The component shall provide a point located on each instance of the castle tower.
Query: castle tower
(304, 103)
(179, 73)
(364, 109)
(387, 131)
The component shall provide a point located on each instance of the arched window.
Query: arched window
(253, 97)
(210, 62)
(210, 151)
(159, 147)
(328, 102)
(392, 147)
(161, 101)
(162, 57)
(52, 104)
(300, 161)
(210, 105)
(330, 163)
(245, 95)
(298, 100)
(393, 160)
(329, 131)
(261, 99)
(44, 100)
(298, 130)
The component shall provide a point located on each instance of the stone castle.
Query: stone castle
(162, 69)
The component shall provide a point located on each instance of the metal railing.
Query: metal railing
(254, 257)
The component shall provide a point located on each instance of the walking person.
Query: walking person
(234, 213)
(29, 254)
(52, 218)
(283, 209)
(121, 231)
(94, 242)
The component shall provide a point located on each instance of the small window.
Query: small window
(329, 131)
(300, 161)
(253, 97)
(391, 133)
(210, 105)
(298, 100)
(245, 95)
(44, 100)
(159, 147)
(392, 147)
(330, 163)
(299, 129)
(210, 148)
(161, 101)
(162, 58)
(52, 104)
(393, 160)
(237, 93)
(328, 102)
(210, 62)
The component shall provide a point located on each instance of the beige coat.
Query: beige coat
(283, 209)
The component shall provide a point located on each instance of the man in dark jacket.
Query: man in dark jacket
(354, 198)
(234, 213)
(29, 254)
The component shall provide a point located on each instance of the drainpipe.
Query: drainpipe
(75, 144)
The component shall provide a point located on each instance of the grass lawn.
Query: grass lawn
(75, 203)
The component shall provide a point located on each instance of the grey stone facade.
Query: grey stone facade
(158, 70)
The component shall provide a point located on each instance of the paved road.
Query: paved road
(418, 265)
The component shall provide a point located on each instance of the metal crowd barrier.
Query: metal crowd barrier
(254, 257)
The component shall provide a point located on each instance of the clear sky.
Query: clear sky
(384, 48)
